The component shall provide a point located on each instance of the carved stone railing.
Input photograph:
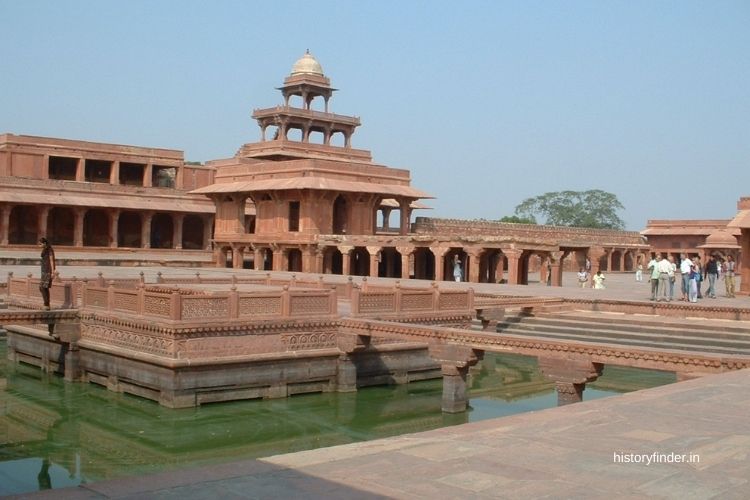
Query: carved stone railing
(396, 300)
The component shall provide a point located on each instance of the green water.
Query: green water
(56, 434)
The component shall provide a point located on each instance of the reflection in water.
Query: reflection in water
(57, 434)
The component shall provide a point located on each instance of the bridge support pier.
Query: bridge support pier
(570, 376)
(454, 362)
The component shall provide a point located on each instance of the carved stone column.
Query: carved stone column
(556, 260)
(5, 223)
(79, 215)
(405, 217)
(405, 253)
(570, 376)
(177, 234)
(279, 259)
(146, 229)
(114, 219)
(81, 170)
(374, 255)
(346, 259)
(743, 262)
(454, 362)
(439, 253)
(514, 263)
(148, 175)
(41, 226)
(114, 173)
(238, 256)
(207, 223)
(472, 273)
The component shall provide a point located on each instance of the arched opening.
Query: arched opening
(338, 139)
(294, 260)
(23, 223)
(294, 134)
(316, 137)
(192, 232)
(390, 263)
(530, 260)
(162, 231)
(360, 262)
(340, 215)
(61, 226)
(490, 261)
(333, 261)
(129, 230)
(424, 264)
(96, 229)
(629, 262)
(616, 256)
(456, 263)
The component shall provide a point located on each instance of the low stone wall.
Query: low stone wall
(670, 309)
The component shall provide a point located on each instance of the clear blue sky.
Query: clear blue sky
(486, 102)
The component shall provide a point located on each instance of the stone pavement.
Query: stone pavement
(593, 449)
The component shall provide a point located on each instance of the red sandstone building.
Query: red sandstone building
(322, 205)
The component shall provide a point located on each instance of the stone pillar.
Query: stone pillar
(472, 265)
(148, 175)
(5, 224)
(146, 229)
(514, 263)
(346, 371)
(622, 260)
(207, 223)
(257, 258)
(609, 259)
(439, 253)
(113, 223)
(237, 256)
(79, 214)
(570, 376)
(405, 253)
(41, 226)
(114, 173)
(346, 259)
(177, 237)
(278, 259)
(742, 261)
(454, 362)
(556, 260)
(374, 253)
(81, 170)
(386, 211)
(405, 217)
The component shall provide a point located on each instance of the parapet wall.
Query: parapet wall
(581, 236)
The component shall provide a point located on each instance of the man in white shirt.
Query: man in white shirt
(653, 268)
(686, 265)
(664, 268)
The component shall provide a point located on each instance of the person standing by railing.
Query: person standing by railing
(48, 270)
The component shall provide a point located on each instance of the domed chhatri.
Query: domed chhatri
(307, 65)
(720, 238)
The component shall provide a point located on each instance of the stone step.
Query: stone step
(633, 343)
(629, 319)
(614, 337)
(687, 328)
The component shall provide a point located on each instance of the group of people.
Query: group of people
(583, 277)
(692, 274)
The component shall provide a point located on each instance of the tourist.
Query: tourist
(672, 272)
(599, 281)
(639, 272)
(457, 271)
(686, 266)
(729, 270)
(712, 272)
(48, 270)
(693, 285)
(698, 268)
(583, 278)
(664, 267)
(653, 266)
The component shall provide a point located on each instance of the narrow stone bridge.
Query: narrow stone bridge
(569, 358)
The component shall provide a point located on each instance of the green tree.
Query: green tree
(594, 208)
(518, 220)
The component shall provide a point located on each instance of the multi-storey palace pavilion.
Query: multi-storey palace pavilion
(325, 207)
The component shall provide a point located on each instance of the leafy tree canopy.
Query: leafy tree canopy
(518, 220)
(594, 208)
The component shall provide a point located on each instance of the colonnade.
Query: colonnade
(99, 227)
(479, 264)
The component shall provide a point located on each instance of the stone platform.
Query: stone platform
(576, 451)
